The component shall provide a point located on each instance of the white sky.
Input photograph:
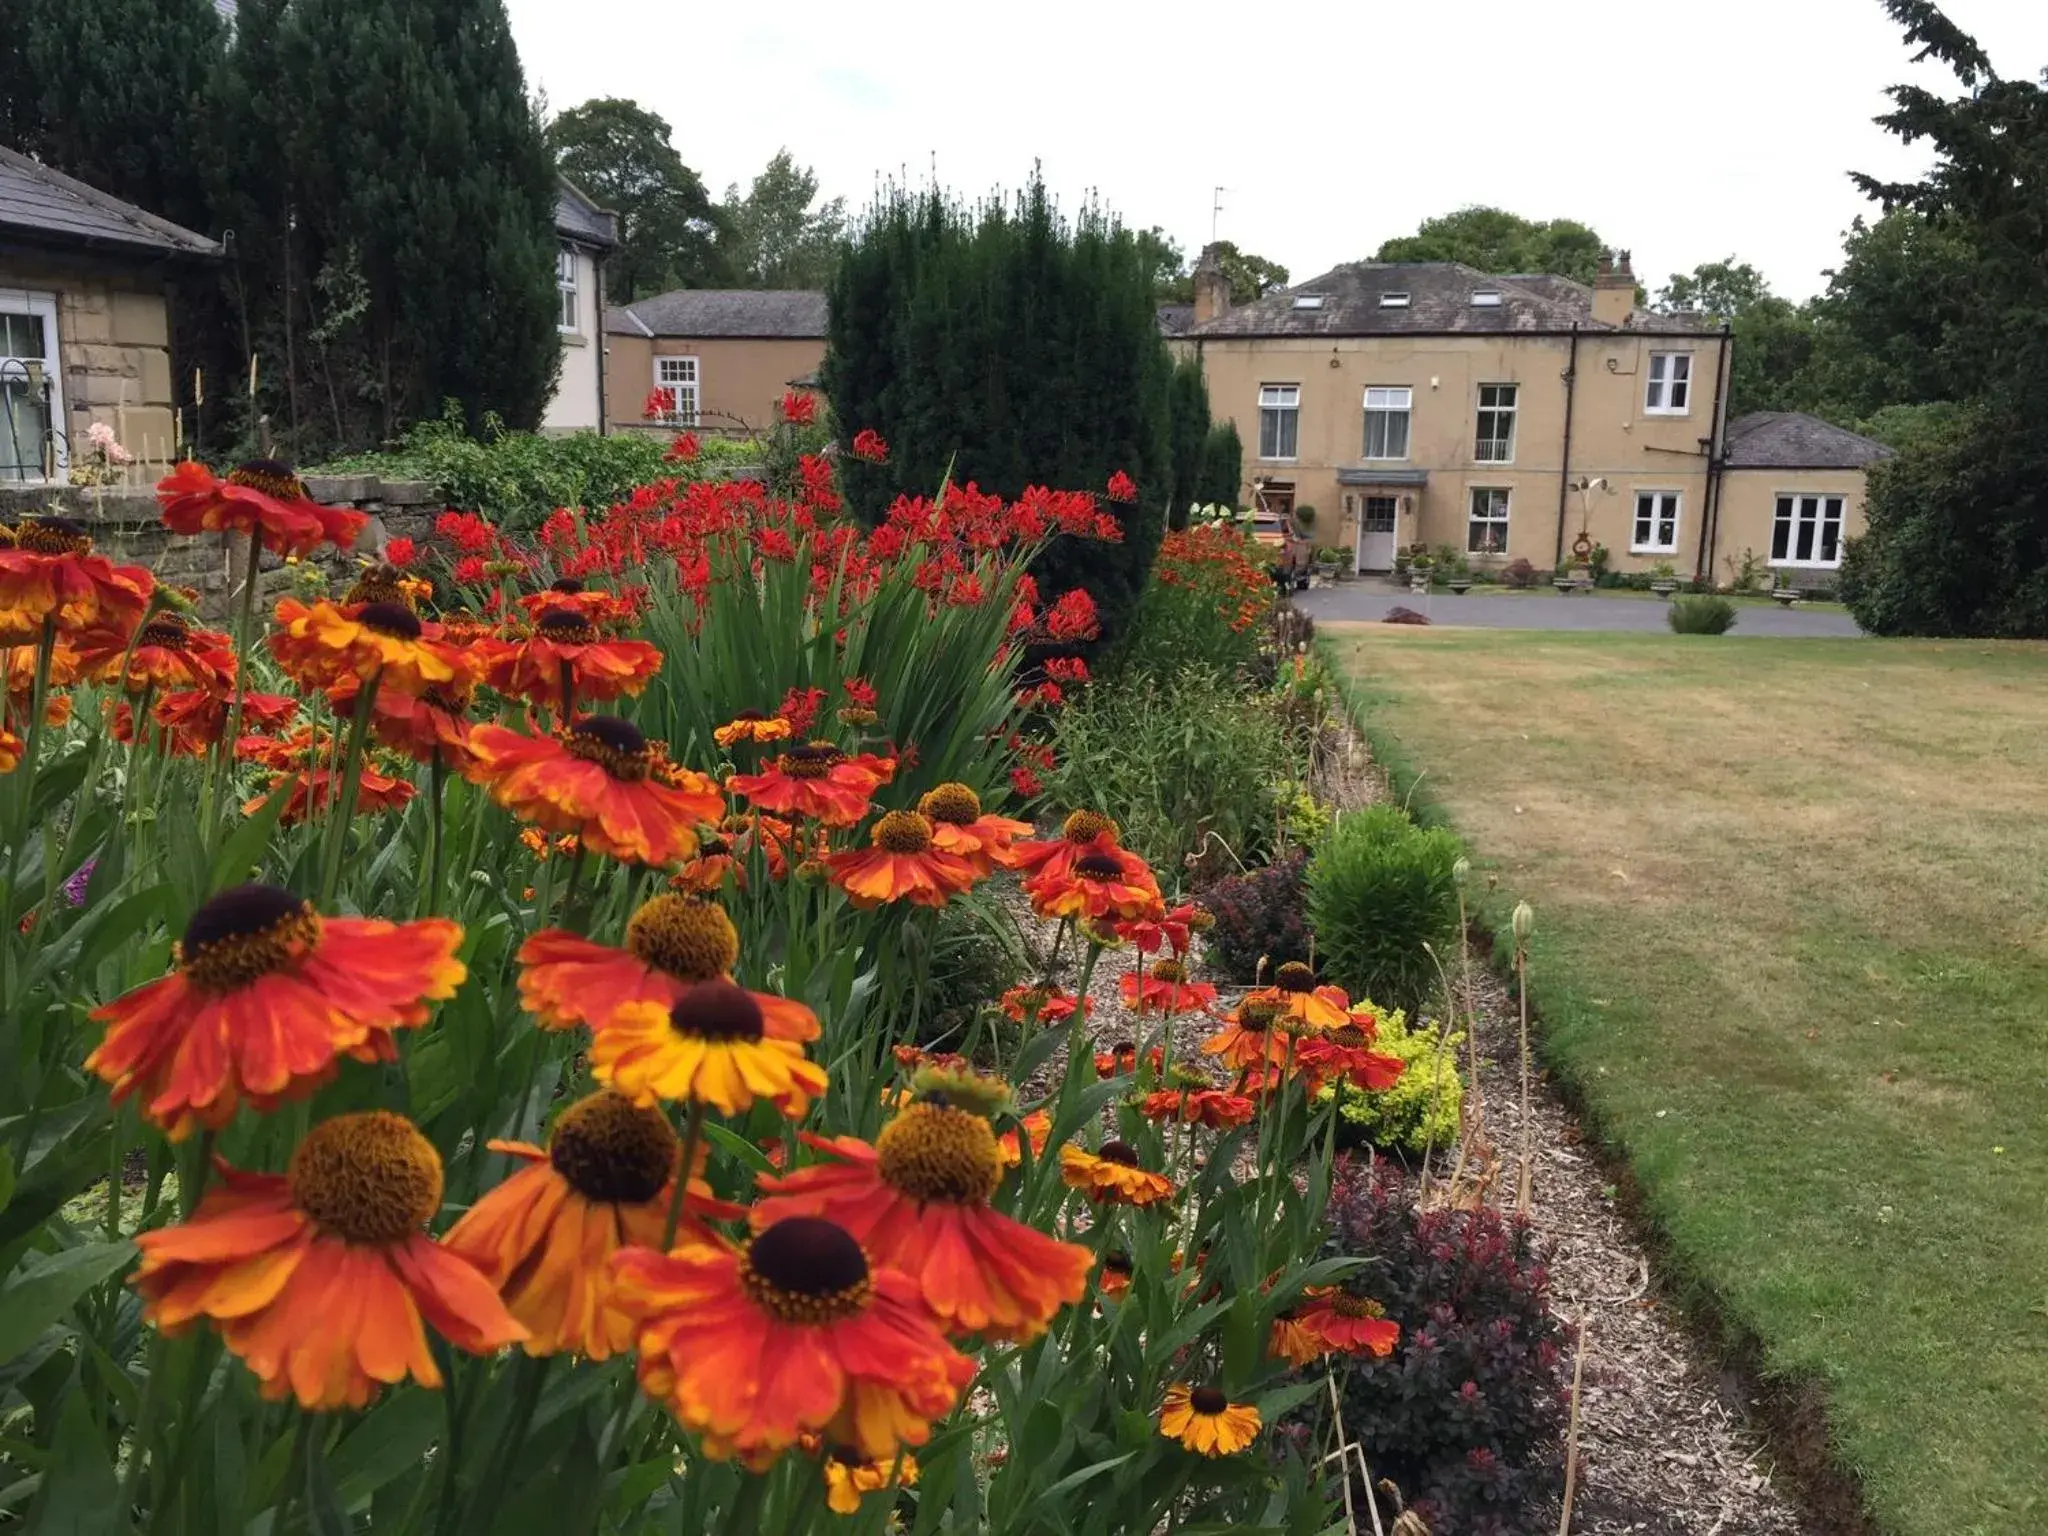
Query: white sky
(1687, 131)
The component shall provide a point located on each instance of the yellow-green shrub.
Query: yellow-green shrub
(1421, 1109)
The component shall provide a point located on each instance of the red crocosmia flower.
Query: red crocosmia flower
(49, 575)
(1067, 669)
(266, 995)
(1212, 1107)
(469, 571)
(1166, 989)
(400, 552)
(602, 780)
(565, 651)
(660, 402)
(902, 864)
(261, 496)
(1346, 1052)
(1073, 617)
(1029, 786)
(799, 409)
(917, 1200)
(1043, 1005)
(1041, 696)
(960, 826)
(869, 447)
(684, 449)
(422, 726)
(860, 692)
(1104, 882)
(315, 792)
(800, 708)
(169, 655)
(818, 781)
(1354, 1324)
(1122, 487)
(1301, 1002)
(794, 1333)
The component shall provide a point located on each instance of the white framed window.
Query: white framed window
(565, 289)
(1807, 531)
(1279, 420)
(1486, 531)
(1655, 531)
(1387, 413)
(1496, 441)
(682, 375)
(31, 387)
(1378, 514)
(1308, 301)
(1393, 301)
(1486, 298)
(1669, 392)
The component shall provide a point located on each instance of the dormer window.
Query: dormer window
(1486, 298)
(1308, 301)
(1393, 301)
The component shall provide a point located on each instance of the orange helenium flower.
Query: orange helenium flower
(1207, 1422)
(169, 655)
(1346, 1052)
(1043, 1005)
(714, 1045)
(1212, 1107)
(422, 725)
(262, 494)
(959, 825)
(566, 650)
(1248, 1040)
(1037, 1126)
(1102, 882)
(1295, 1341)
(1114, 1278)
(1353, 1324)
(1113, 1175)
(848, 1477)
(49, 575)
(545, 1237)
(321, 1279)
(1080, 832)
(794, 1333)
(315, 792)
(917, 1200)
(266, 996)
(1165, 989)
(901, 865)
(816, 780)
(751, 725)
(1301, 1001)
(602, 780)
(321, 645)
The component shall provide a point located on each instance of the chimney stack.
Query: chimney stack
(1212, 287)
(1614, 289)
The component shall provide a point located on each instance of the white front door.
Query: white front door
(1376, 534)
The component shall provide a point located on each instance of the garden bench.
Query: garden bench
(1786, 596)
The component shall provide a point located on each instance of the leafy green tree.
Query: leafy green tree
(1251, 277)
(1719, 289)
(619, 153)
(1188, 406)
(1171, 281)
(1774, 338)
(1494, 240)
(1893, 327)
(777, 238)
(1007, 345)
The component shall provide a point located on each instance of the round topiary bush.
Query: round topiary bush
(1381, 895)
(1700, 613)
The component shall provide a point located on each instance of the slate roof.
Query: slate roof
(579, 218)
(1795, 440)
(793, 314)
(47, 207)
(1439, 301)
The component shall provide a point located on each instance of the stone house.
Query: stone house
(1509, 417)
(84, 323)
(586, 235)
(728, 355)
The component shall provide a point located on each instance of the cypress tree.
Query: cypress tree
(1222, 477)
(1189, 406)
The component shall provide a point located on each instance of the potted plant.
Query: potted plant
(1420, 570)
(1402, 560)
(1664, 579)
(1459, 577)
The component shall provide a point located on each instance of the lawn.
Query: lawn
(1792, 943)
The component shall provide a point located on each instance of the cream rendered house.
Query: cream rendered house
(1518, 417)
(585, 236)
(725, 355)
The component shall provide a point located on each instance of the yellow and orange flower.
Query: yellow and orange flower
(607, 610)
(49, 575)
(1212, 1107)
(191, 721)
(1043, 1005)
(818, 781)
(714, 1045)
(795, 1333)
(1353, 1324)
(1165, 989)
(316, 791)
(901, 864)
(263, 494)
(1037, 1126)
(421, 725)
(320, 645)
(18, 664)
(1114, 1277)
(1346, 1052)
(1206, 1421)
(918, 1201)
(1100, 883)
(1079, 833)
(321, 1280)
(1294, 1340)
(545, 1237)
(1112, 1175)
(1249, 1040)
(11, 749)
(848, 1477)
(169, 655)
(751, 725)
(603, 780)
(1301, 1002)
(566, 651)
(959, 825)
(266, 996)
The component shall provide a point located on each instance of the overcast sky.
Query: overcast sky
(1685, 131)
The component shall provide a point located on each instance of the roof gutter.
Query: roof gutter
(1564, 468)
(1717, 453)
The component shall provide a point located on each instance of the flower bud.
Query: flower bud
(1461, 871)
(1525, 921)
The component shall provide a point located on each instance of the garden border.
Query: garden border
(1792, 1410)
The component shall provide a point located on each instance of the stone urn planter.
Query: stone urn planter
(1664, 588)
(1418, 582)
(1459, 585)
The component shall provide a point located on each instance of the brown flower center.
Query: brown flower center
(566, 626)
(857, 714)
(450, 698)
(566, 584)
(955, 804)
(903, 832)
(1116, 1262)
(812, 760)
(53, 536)
(244, 934)
(1207, 1401)
(369, 1178)
(1097, 866)
(270, 476)
(168, 631)
(615, 745)
(806, 1270)
(689, 940)
(934, 1152)
(717, 1011)
(613, 1151)
(1169, 970)
(1350, 1035)
(1295, 977)
(1121, 1153)
(394, 619)
(378, 584)
(1086, 826)
(1257, 1013)
(1344, 1304)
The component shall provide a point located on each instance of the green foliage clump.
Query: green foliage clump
(1422, 1109)
(1222, 476)
(1185, 758)
(1381, 896)
(1700, 613)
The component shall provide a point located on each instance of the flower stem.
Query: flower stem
(692, 1129)
(224, 758)
(345, 797)
(437, 784)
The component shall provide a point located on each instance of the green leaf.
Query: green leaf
(388, 1443)
(328, 1520)
(1241, 1338)
(738, 1146)
(6, 1177)
(243, 850)
(79, 1496)
(1075, 1479)
(44, 1289)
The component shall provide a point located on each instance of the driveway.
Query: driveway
(1368, 601)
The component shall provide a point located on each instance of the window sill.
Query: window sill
(572, 338)
(1649, 410)
(1265, 460)
(1653, 549)
(1804, 565)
